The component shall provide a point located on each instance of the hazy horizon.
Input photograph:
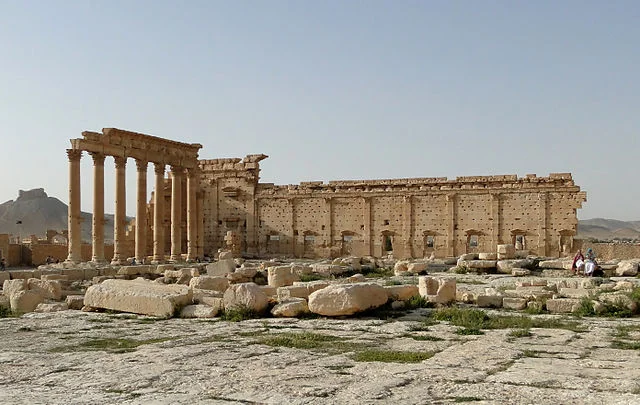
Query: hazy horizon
(330, 90)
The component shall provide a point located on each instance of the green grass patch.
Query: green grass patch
(113, 345)
(622, 331)
(466, 399)
(518, 333)
(311, 277)
(621, 344)
(379, 272)
(530, 353)
(426, 338)
(469, 331)
(305, 340)
(100, 320)
(239, 314)
(391, 356)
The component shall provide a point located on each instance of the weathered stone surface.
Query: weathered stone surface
(291, 308)
(51, 307)
(489, 301)
(10, 287)
(4, 276)
(619, 299)
(514, 303)
(329, 269)
(301, 269)
(520, 272)
(138, 297)
(446, 291)
(75, 301)
(575, 292)
(402, 292)
(225, 255)
(221, 267)
(25, 301)
(209, 283)
(468, 256)
(477, 264)
(198, 311)
(245, 295)
(401, 267)
(488, 256)
(563, 305)
(49, 289)
(507, 266)
(136, 270)
(427, 285)
(24, 274)
(280, 276)
(627, 268)
(292, 291)
(417, 267)
(347, 299)
(506, 252)
(269, 291)
(561, 264)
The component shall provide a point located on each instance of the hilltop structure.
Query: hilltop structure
(223, 204)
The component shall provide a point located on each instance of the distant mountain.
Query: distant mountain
(34, 212)
(608, 229)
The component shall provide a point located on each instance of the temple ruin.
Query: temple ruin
(222, 204)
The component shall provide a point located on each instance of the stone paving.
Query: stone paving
(55, 358)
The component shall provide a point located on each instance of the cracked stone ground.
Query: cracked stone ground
(99, 358)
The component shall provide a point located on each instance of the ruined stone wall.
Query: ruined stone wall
(4, 246)
(608, 251)
(405, 217)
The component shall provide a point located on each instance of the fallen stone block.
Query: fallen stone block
(198, 311)
(24, 274)
(25, 301)
(292, 291)
(402, 292)
(138, 297)
(558, 264)
(468, 256)
(73, 274)
(49, 289)
(446, 291)
(618, 299)
(280, 276)
(514, 303)
(520, 272)
(245, 296)
(427, 286)
(507, 266)
(217, 303)
(221, 267)
(215, 283)
(301, 269)
(487, 256)
(10, 287)
(292, 308)
(563, 305)
(347, 299)
(575, 292)
(51, 307)
(75, 301)
(489, 301)
(627, 268)
(506, 252)
(477, 264)
(417, 267)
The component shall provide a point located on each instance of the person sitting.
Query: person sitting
(578, 262)
(590, 263)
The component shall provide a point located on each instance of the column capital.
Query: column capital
(141, 165)
(177, 170)
(74, 154)
(98, 158)
(159, 168)
(191, 172)
(120, 162)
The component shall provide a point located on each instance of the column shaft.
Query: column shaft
(192, 215)
(119, 222)
(176, 211)
(200, 225)
(98, 208)
(158, 215)
(74, 218)
(141, 212)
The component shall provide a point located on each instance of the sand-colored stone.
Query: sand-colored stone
(245, 295)
(347, 299)
(291, 308)
(402, 292)
(209, 283)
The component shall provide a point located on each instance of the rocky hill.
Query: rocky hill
(608, 229)
(34, 212)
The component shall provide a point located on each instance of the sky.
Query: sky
(330, 90)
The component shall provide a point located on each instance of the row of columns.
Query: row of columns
(195, 229)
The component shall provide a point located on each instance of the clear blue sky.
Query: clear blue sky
(330, 89)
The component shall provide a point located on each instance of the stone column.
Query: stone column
(74, 218)
(141, 212)
(407, 226)
(98, 208)
(292, 226)
(200, 225)
(158, 215)
(328, 234)
(366, 220)
(120, 219)
(176, 211)
(542, 224)
(495, 215)
(192, 215)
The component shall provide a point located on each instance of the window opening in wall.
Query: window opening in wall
(310, 238)
(274, 237)
(261, 223)
(347, 238)
(323, 227)
(387, 244)
(362, 227)
(520, 242)
(295, 232)
(473, 241)
(386, 222)
(219, 222)
(430, 241)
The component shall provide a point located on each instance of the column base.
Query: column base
(118, 262)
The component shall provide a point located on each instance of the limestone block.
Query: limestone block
(270, 291)
(280, 276)
(329, 269)
(575, 292)
(562, 305)
(4, 276)
(489, 301)
(91, 273)
(514, 303)
(292, 291)
(238, 278)
(225, 255)
(477, 264)
(530, 294)
(417, 267)
(507, 266)
(107, 271)
(136, 270)
(427, 286)
(465, 296)
(198, 295)
(221, 267)
(217, 303)
(73, 274)
(291, 308)
(627, 268)
(401, 267)
(347, 299)
(51, 290)
(75, 301)
(246, 272)
(624, 286)
(618, 299)
(24, 274)
(25, 301)
(245, 295)
(521, 254)
(356, 278)
(138, 297)
(560, 264)
(535, 305)
(506, 252)
(487, 256)
(402, 292)
(209, 283)
(468, 256)
(60, 277)
(301, 269)
(198, 311)
(161, 268)
(51, 307)
(520, 272)
(446, 291)
(10, 287)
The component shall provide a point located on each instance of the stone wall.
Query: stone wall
(406, 217)
(608, 251)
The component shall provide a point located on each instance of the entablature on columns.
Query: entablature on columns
(126, 144)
